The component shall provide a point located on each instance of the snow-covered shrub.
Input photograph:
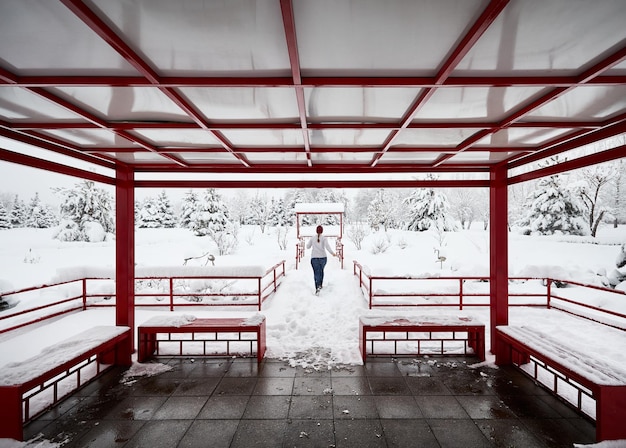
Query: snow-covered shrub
(94, 232)
(356, 234)
(380, 245)
(31, 257)
(281, 237)
(620, 273)
(225, 240)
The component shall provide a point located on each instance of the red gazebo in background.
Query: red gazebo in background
(320, 94)
(319, 211)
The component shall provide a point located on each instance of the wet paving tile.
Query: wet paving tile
(230, 403)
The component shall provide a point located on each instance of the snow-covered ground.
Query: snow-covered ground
(319, 331)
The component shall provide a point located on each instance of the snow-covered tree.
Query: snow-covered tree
(278, 216)
(619, 187)
(165, 211)
(467, 205)
(211, 214)
(87, 212)
(292, 198)
(5, 222)
(40, 216)
(426, 208)
(259, 211)
(238, 206)
(149, 215)
(19, 213)
(212, 219)
(590, 189)
(188, 210)
(552, 208)
(380, 212)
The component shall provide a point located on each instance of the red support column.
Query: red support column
(125, 249)
(498, 251)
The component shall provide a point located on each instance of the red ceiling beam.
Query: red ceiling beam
(314, 184)
(289, 26)
(132, 125)
(317, 81)
(34, 162)
(489, 15)
(54, 145)
(318, 168)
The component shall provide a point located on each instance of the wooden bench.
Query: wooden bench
(29, 388)
(560, 368)
(183, 334)
(417, 330)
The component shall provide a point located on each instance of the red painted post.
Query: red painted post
(125, 249)
(259, 283)
(370, 290)
(84, 294)
(11, 413)
(171, 282)
(548, 292)
(498, 252)
(460, 294)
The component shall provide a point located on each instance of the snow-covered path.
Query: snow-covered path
(315, 331)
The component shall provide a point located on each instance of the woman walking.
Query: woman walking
(320, 245)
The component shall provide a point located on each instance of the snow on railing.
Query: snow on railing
(193, 287)
(474, 291)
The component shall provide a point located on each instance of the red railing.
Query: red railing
(51, 300)
(466, 292)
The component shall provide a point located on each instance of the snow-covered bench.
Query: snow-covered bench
(416, 335)
(579, 377)
(30, 387)
(224, 336)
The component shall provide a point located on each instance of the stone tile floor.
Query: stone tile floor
(403, 402)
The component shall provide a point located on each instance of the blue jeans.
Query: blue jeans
(318, 271)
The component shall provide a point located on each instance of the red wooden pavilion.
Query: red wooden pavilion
(295, 93)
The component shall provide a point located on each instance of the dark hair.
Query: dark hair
(319, 231)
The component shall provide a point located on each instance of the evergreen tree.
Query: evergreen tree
(380, 212)
(551, 208)
(149, 217)
(188, 210)
(259, 212)
(84, 208)
(50, 218)
(212, 220)
(211, 215)
(19, 214)
(5, 222)
(278, 217)
(426, 208)
(165, 211)
(36, 216)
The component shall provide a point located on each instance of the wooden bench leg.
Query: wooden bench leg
(11, 423)
(611, 413)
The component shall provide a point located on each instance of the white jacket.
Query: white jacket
(319, 248)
